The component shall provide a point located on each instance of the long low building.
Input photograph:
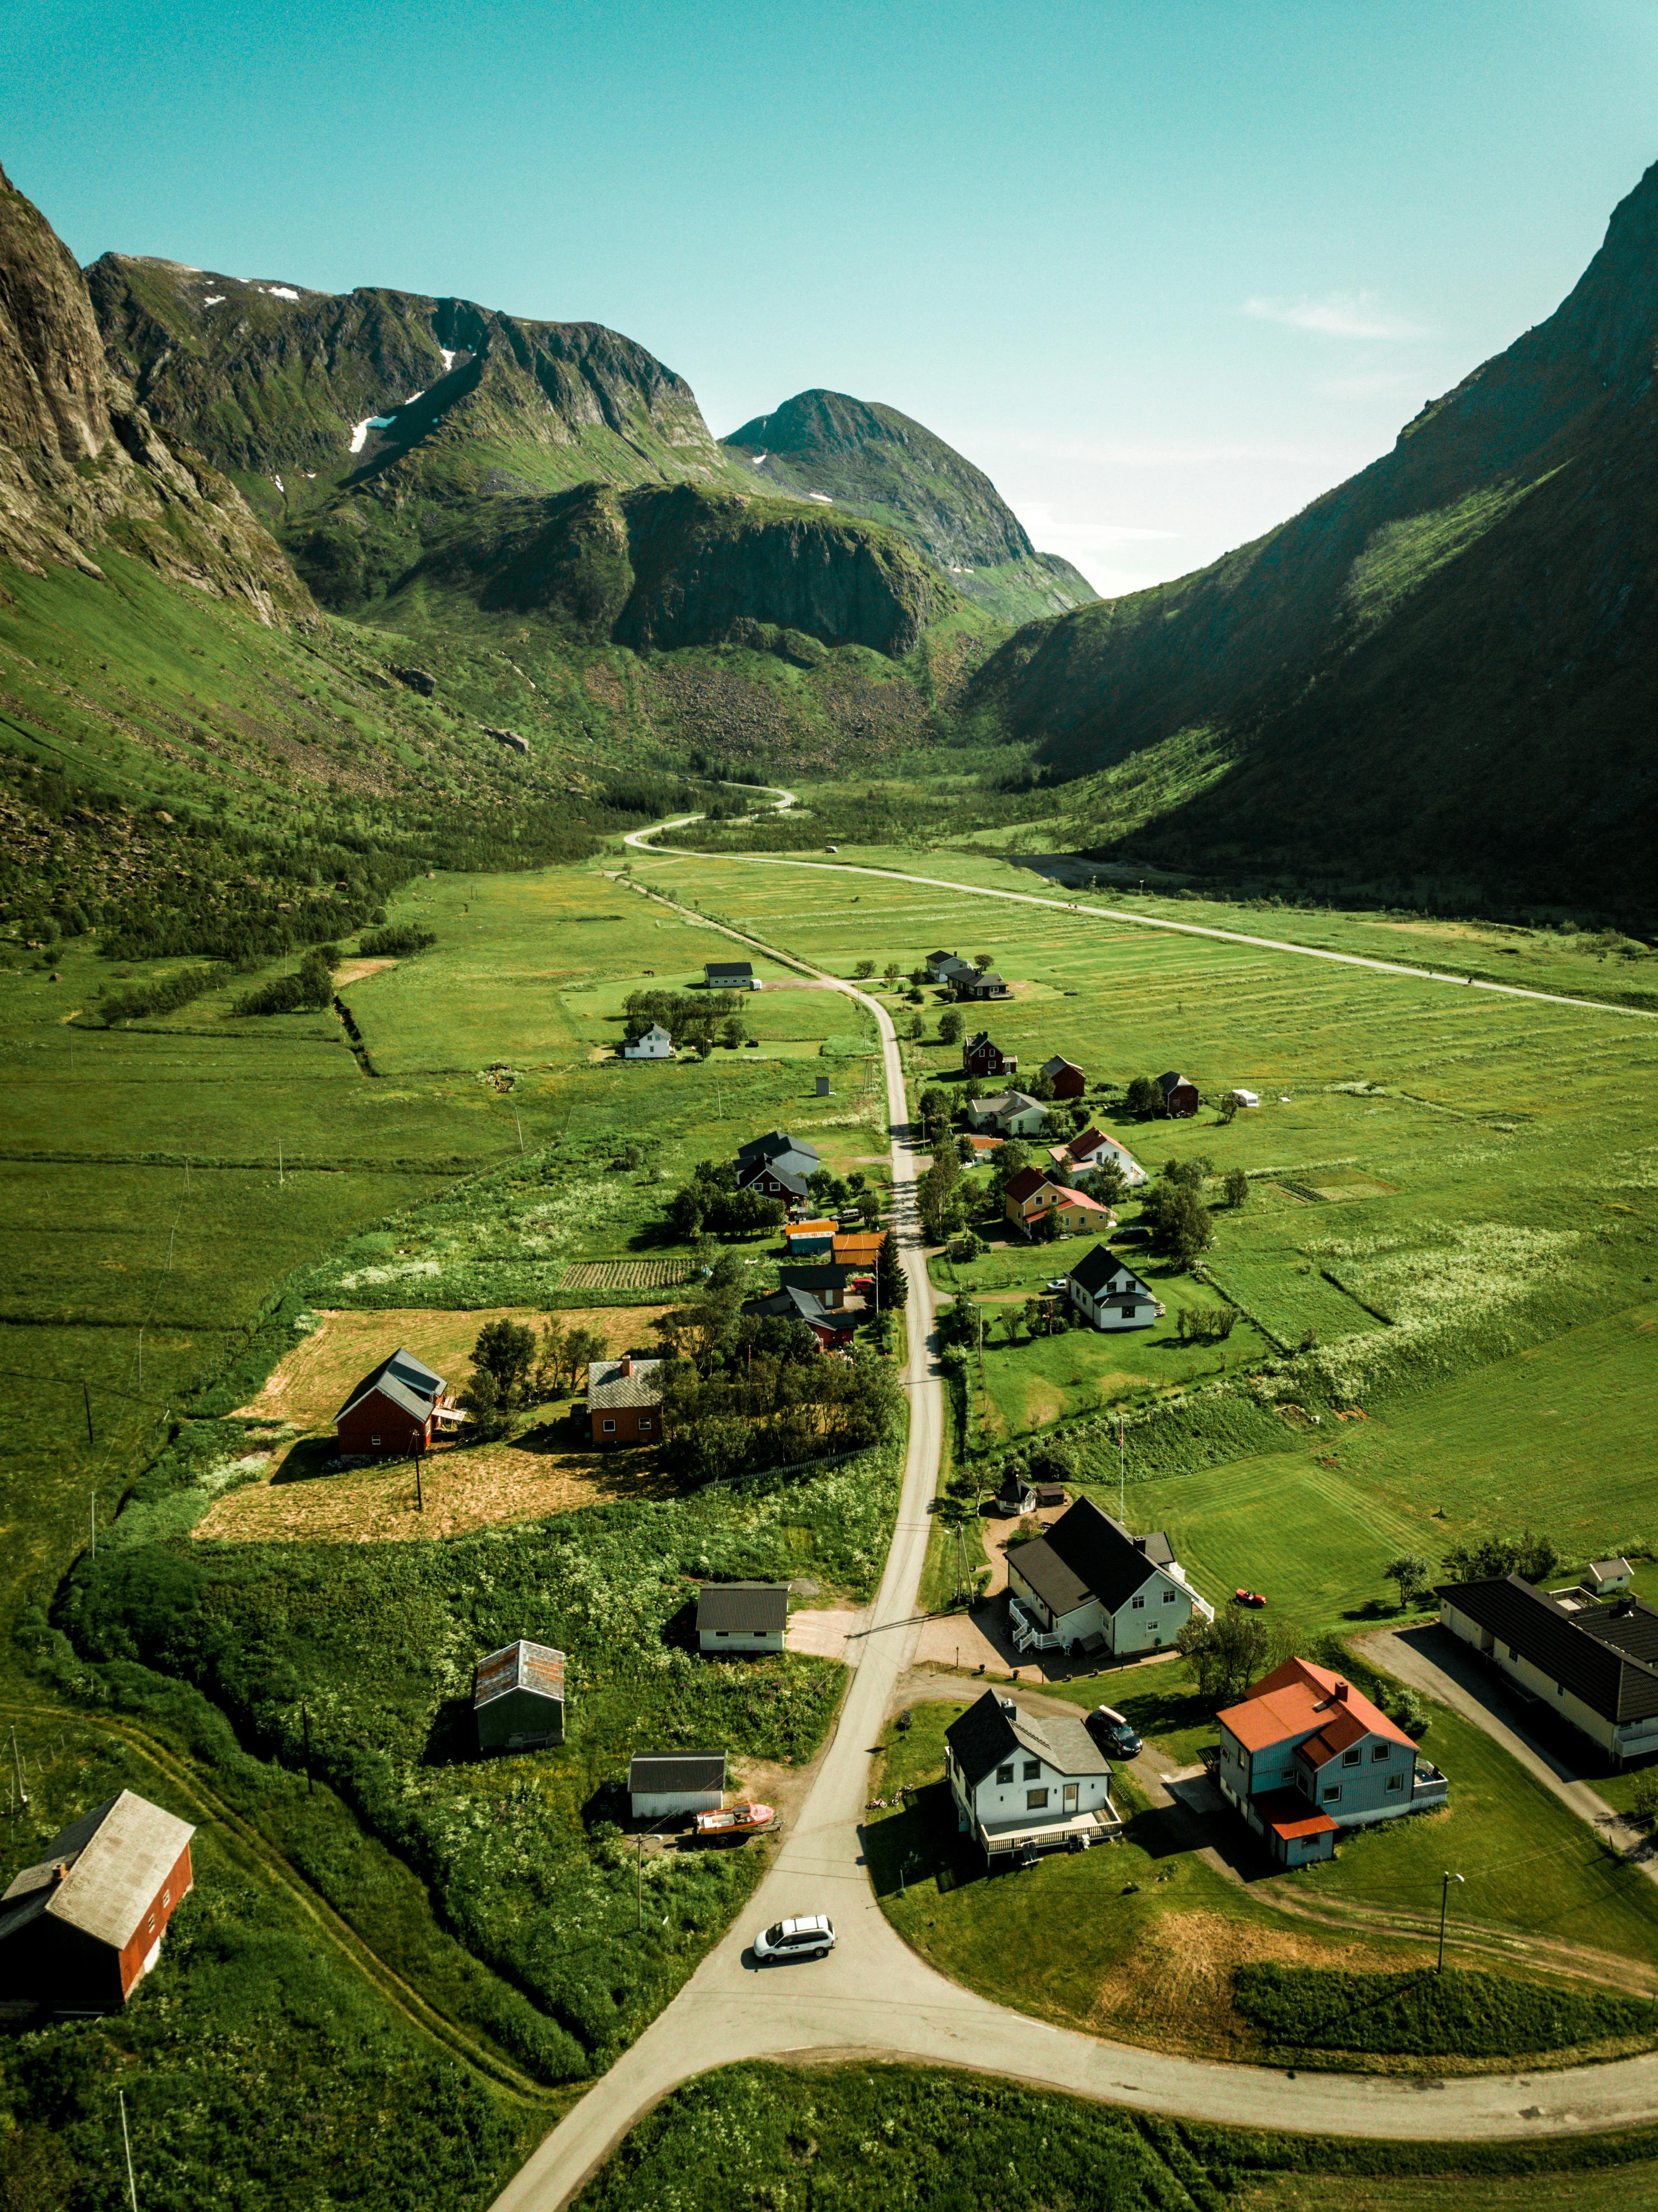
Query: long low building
(1594, 1661)
(663, 1785)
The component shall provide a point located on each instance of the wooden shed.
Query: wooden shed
(83, 1925)
(742, 1616)
(1180, 1096)
(518, 1697)
(664, 1784)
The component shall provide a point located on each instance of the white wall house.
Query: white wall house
(1022, 1786)
(666, 1785)
(1088, 1582)
(655, 1044)
(1011, 1113)
(1595, 1663)
(1108, 1294)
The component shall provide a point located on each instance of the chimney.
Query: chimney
(627, 1363)
(1341, 1692)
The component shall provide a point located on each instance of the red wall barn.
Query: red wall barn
(624, 1401)
(981, 1057)
(394, 1409)
(1180, 1096)
(1067, 1078)
(81, 1927)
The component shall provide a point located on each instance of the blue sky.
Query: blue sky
(1166, 270)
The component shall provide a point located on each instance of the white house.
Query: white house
(742, 1616)
(1093, 1149)
(1595, 1664)
(655, 1044)
(1013, 1112)
(1022, 1785)
(662, 1785)
(1110, 1295)
(1087, 1581)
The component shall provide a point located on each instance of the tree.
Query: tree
(984, 962)
(1193, 1173)
(938, 1195)
(581, 1347)
(869, 1208)
(1108, 1183)
(891, 1284)
(1227, 1653)
(1182, 1225)
(915, 1028)
(506, 1350)
(864, 971)
(950, 1026)
(481, 1399)
(1236, 1188)
(1143, 1098)
(1228, 1107)
(935, 1105)
(956, 1514)
(890, 976)
(1488, 1558)
(1410, 1572)
(1007, 1161)
(732, 1032)
(549, 1360)
(1033, 1315)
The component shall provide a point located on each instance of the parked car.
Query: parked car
(808, 1938)
(1057, 1283)
(1247, 1597)
(1113, 1733)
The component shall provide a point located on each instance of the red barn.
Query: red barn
(624, 1400)
(981, 1057)
(1180, 1096)
(83, 1925)
(395, 1408)
(1067, 1078)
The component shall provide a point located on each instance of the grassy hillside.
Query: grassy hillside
(1443, 667)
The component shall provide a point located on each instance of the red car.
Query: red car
(1247, 1597)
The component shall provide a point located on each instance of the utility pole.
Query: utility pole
(420, 1495)
(95, 1523)
(17, 1767)
(280, 1177)
(1122, 1476)
(1444, 1898)
(126, 2144)
(141, 1359)
(519, 1125)
(86, 1395)
(305, 1721)
(171, 1234)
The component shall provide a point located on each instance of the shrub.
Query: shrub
(1471, 2015)
(307, 989)
(396, 941)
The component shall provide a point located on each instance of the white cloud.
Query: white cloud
(1057, 535)
(1340, 315)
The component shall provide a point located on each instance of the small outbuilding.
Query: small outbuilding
(730, 975)
(1606, 1578)
(662, 1785)
(1245, 1098)
(1015, 1497)
(1180, 1096)
(624, 1400)
(806, 1240)
(1067, 1079)
(518, 1697)
(980, 1056)
(742, 1616)
(83, 1926)
(654, 1044)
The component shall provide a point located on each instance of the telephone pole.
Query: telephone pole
(304, 1722)
(126, 2144)
(1445, 1882)
(86, 1395)
(17, 1767)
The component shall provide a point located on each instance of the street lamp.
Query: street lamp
(1445, 1881)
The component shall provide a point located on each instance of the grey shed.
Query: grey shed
(518, 1697)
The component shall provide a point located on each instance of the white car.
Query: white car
(809, 1938)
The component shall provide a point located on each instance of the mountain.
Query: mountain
(871, 460)
(1447, 667)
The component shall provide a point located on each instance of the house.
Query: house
(775, 1144)
(1606, 1578)
(946, 967)
(1594, 1664)
(730, 975)
(1023, 1785)
(1015, 1497)
(83, 1925)
(624, 1400)
(982, 1147)
(1180, 1096)
(975, 986)
(981, 1057)
(808, 1239)
(742, 1616)
(654, 1044)
(859, 1249)
(1108, 1294)
(518, 1697)
(661, 1784)
(788, 1303)
(778, 1166)
(397, 1408)
(1244, 1098)
(1034, 1201)
(1087, 1581)
(827, 1284)
(1065, 1078)
(1013, 1112)
(1305, 1754)
(1093, 1148)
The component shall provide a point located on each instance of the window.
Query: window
(374, 1440)
(1304, 1783)
(1036, 1801)
(1395, 1781)
(644, 1423)
(1033, 1767)
(1333, 1795)
(609, 1427)
(1004, 1773)
(1137, 1603)
(1169, 1596)
(1352, 1758)
(167, 1899)
(1378, 1751)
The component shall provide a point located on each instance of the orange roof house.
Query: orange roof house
(1034, 1198)
(1305, 1755)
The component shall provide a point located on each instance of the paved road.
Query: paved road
(873, 1997)
(1434, 1660)
(640, 840)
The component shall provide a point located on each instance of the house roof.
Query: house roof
(859, 1248)
(990, 980)
(1301, 1699)
(102, 1873)
(1288, 1814)
(1171, 1081)
(1606, 1655)
(676, 1773)
(1026, 1184)
(1071, 1196)
(981, 1040)
(608, 1387)
(728, 967)
(825, 1275)
(1058, 1065)
(754, 1609)
(1095, 1268)
(408, 1383)
(786, 1303)
(1605, 1567)
(1003, 1103)
(521, 1666)
(994, 1729)
(1015, 1485)
(773, 1144)
(655, 1030)
(1088, 1554)
(823, 1228)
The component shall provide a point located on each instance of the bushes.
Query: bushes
(1467, 2015)
(397, 940)
(307, 989)
(163, 996)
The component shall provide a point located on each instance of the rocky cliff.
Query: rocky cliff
(1448, 664)
(81, 465)
(868, 459)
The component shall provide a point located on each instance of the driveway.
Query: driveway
(1430, 1658)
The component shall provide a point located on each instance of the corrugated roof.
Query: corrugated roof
(408, 1383)
(1287, 1813)
(1301, 1699)
(1058, 1065)
(117, 1856)
(676, 1773)
(728, 967)
(608, 1387)
(1606, 1655)
(521, 1666)
(751, 1608)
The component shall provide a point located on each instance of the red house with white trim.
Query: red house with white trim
(83, 1925)
(396, 1409)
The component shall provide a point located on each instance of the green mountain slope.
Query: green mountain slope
(871, 460)
(1445, 667)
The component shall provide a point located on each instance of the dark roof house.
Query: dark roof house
(742, 1608)
(995, 1730)
(408, 1383)
(1088, 1554)
(1180, 1095)
(727, 971)
(774, 1145)
(1598, 1661)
